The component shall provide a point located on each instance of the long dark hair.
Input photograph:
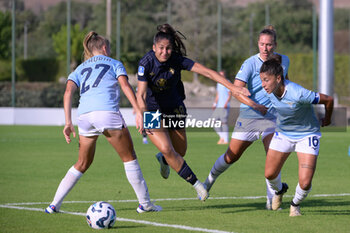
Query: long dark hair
(165, 31)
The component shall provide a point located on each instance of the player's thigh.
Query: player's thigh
(279, 149)
(307, 167)
(179, 140)
(274, 163)
(87, 147)
(121, 141)
(266, 141)
(307, 150)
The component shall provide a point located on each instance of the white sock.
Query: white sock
(134, 174)
(218, 131)
(67, 183)
(270, 192)
(219, 167)
(275, 184)
(300, 194)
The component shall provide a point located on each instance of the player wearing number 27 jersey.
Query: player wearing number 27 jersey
(98, 79)
(106, 96)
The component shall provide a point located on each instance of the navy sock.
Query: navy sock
(187, 174)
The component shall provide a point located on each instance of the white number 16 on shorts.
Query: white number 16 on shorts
(308, 145)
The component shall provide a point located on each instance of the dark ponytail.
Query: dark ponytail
(272, 66)
(165, 31)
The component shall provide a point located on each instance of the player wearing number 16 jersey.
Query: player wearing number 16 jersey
(98, 79)
(297, 130)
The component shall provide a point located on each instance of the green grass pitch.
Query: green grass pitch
(34, 159)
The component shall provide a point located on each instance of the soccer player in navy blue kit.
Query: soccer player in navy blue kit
(98, 79)
(160, 88)
(297, 130)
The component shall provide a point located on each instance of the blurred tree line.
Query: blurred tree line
(196, 20)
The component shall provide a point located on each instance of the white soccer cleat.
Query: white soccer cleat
(202, 192)
(268, 205)
(51, 209)
(277, 198)
(294, 211)
(149, 207)
(164, 168)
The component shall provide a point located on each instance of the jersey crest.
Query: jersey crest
(161, 82)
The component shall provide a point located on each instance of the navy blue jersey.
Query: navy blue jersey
(165, 89)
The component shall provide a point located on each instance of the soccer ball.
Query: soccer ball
(101, 215)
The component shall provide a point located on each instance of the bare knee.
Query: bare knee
(270, 175)
(305, 185)
(167, 151)
(82, 166)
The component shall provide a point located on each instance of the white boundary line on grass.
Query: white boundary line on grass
(188, 228)
(20, 207)
(178, 199)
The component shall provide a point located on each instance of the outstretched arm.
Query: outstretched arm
(215, 76)
(328, 103)
(130, 94)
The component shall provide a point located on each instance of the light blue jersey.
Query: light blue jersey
(295, 114)
(224, 94)
(250, 74)
(97, 79)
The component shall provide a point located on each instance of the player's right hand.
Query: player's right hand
(67, 130)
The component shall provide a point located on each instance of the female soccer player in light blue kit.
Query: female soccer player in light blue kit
(297, 130)
(256, 118)
(98, 78)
